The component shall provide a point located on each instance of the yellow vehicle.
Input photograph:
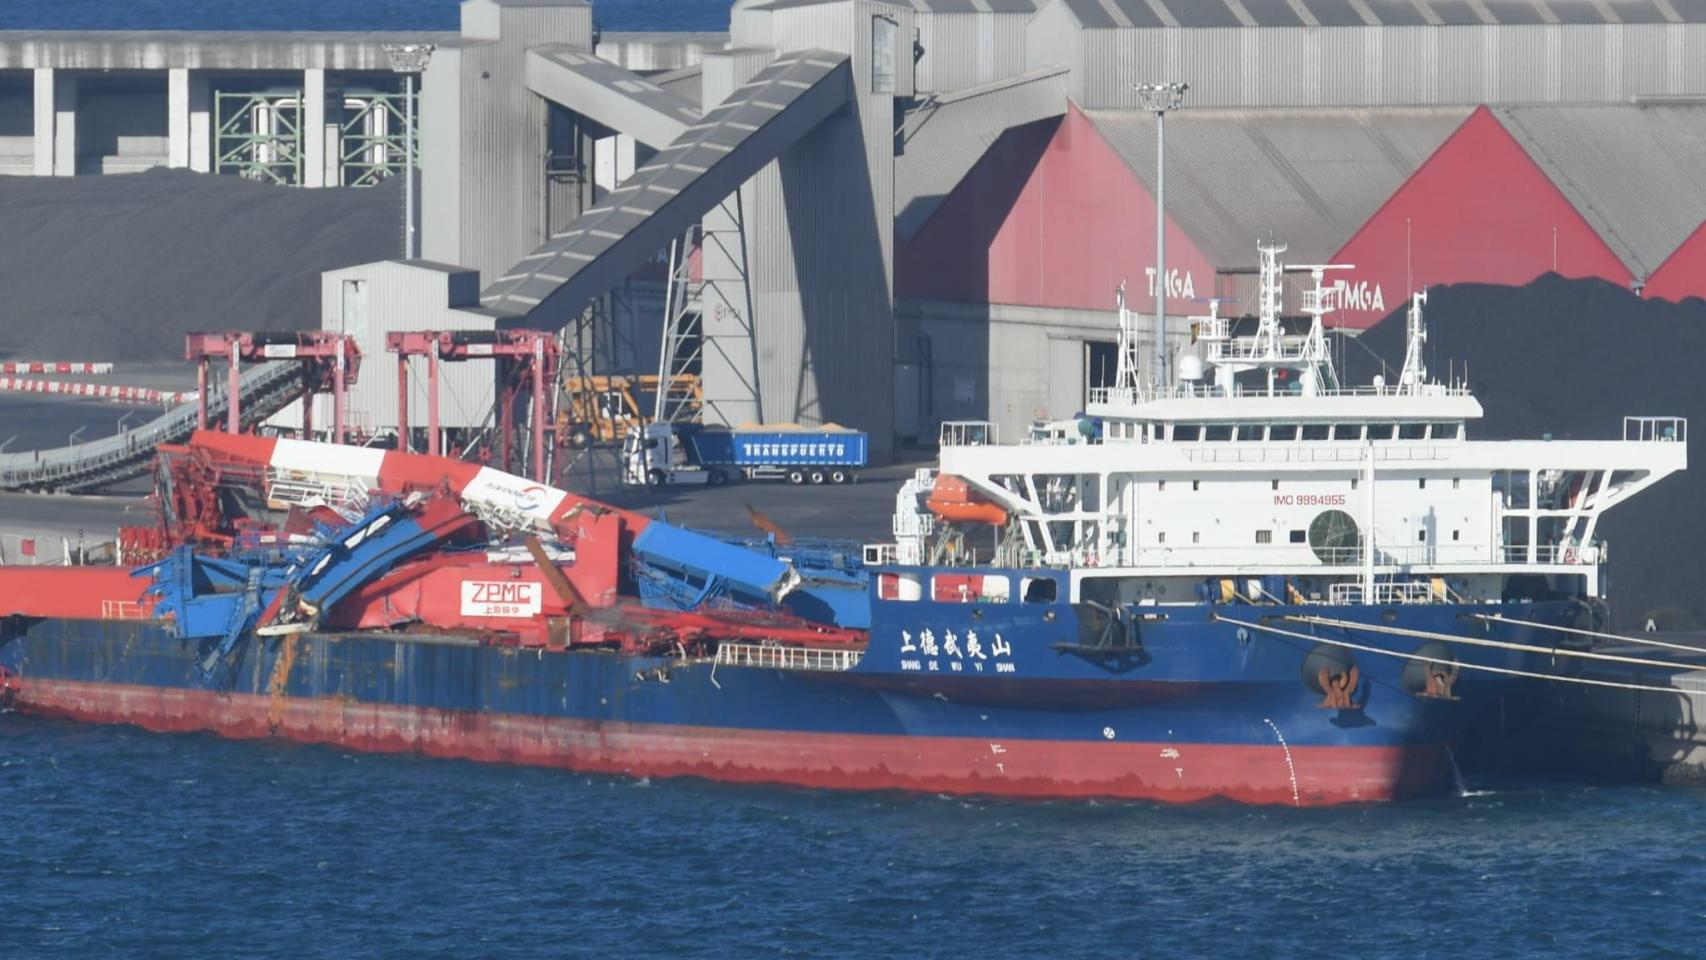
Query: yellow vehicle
(600, 409)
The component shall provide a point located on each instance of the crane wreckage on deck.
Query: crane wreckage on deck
(259, 538)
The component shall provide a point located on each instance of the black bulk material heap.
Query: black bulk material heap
(121, 267)
(1572, 358)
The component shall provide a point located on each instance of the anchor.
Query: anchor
(1440, 679)
(1337, 688)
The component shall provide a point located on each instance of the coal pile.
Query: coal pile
(121, 267)
(1572, 358)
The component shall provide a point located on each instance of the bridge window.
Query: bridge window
(1040, 589)
(1249, 431)
(1283, 431)
(1186, 432)
(1444, 431)
(1218, 432)
(1381, 431)
(1316, 431)
(1348, 431)
(1412, 431)
(1513, 486)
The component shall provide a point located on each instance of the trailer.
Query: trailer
(661, 453)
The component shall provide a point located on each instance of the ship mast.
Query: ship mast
(1128, 373)
(1415, 372)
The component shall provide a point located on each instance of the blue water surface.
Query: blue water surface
(128, 844)
(326, 14)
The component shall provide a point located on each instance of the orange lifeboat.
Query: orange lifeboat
(954, 500)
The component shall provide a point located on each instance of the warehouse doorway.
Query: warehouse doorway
(1101, 364)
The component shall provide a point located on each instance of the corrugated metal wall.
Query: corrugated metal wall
(942, 138)
(1374, 66)
(492, 213)
(965, 49)
(1051, 217)
(406, 296)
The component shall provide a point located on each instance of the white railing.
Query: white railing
(123, 610)
(968, 433)
(1309, 451)
(1185, 391)
(1655, 429)
(1302, 558)
(347, 496)
(1553, 553)
(786, 658)
(1385, 593)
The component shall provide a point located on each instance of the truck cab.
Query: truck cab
(653, 455)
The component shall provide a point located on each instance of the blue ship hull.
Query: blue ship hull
(1005, 699)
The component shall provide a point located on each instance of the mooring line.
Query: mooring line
(1498, 644)
(1507, 671)
(1636, 641)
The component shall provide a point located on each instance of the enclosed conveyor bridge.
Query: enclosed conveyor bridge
(686, 180)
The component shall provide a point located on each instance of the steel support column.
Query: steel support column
(433, 442)
(201, 394)
(340, 390)
(233, 391)
(538, 414)
(403, 402)
(44, 78)
(178, 117)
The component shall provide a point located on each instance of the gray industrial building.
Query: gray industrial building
(795, 159)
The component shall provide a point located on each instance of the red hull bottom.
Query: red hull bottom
(1277, 774)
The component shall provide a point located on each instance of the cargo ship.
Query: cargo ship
(1254, 583)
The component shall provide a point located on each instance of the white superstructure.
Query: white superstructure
(1261, 463)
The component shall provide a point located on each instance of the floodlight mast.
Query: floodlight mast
(410, 60)
(1159, 98)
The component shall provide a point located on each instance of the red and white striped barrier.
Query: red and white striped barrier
(38, 366)
(98, 391)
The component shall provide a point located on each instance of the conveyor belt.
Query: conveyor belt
(266, 389)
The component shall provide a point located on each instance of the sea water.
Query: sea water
(128, 844)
